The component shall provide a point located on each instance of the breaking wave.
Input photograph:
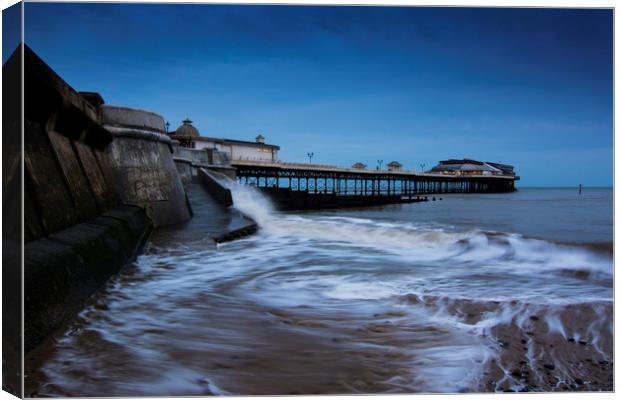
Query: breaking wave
(549, 302)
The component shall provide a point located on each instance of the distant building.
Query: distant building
(394, 166)
(505, 168)
(359, 165)
(466, 167)
(188, 136)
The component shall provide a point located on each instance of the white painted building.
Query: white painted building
(258, 150)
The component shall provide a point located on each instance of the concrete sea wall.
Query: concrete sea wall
(97, 180)
(189, 161)
(221, 194)
(142, 164)
(64, 269)
(187, 172)
(12, 219)
(77, 231)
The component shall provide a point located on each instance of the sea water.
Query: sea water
(476, 292)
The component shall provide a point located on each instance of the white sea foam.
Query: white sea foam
(512, 252)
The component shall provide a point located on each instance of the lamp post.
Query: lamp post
(167, 126)
(310, 155)
(380, 162)
(422, 165)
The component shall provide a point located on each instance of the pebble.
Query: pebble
(516, 373)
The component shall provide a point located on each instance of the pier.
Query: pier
(299, 186)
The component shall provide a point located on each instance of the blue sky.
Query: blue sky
(531, 87)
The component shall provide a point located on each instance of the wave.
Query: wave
(542, 309)
(422, 243)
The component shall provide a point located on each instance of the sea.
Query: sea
(467, 293)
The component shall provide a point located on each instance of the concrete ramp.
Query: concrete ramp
(211, 182)
(212, 222)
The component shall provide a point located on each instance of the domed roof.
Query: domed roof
(187, 129)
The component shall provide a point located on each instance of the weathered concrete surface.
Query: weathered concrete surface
(142, 164)
(77, 233)
(124, 117)
(187, 172)
(62, 270)
(12, 196)
(65, 182)
(220, 193)
(198, 157)
(236, 233)
(189, 161)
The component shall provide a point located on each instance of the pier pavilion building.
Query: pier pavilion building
(395, 166)
(188, 136)
(466, 167)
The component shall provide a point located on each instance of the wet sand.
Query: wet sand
(540, 348)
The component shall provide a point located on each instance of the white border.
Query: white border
(448, 3)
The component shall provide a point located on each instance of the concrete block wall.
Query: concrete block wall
(143, 166)
(12, 246)
(195, 156)
(189, 161)
(219, 192)
(77, 231)
(64, 269)
(68, 179)
(186, 170)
